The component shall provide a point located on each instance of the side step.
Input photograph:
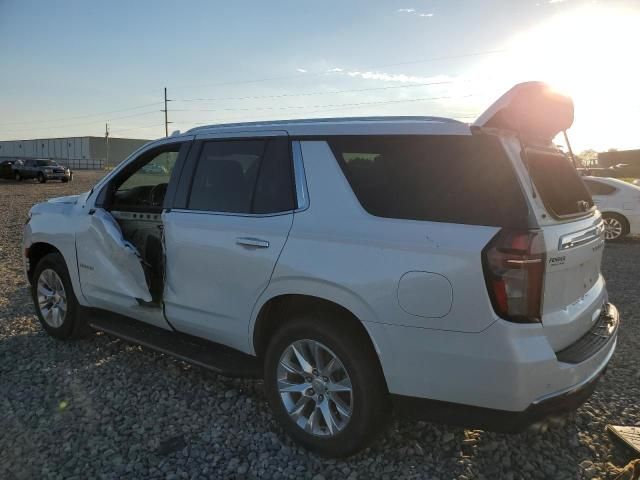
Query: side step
(212, 356)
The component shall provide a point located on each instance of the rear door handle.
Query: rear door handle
(252, 242)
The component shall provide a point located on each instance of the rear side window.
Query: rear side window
(562, 190)
(597, 188)
(441, 178)
(243, 176)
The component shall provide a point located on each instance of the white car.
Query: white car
(619, 202)
(354, 264)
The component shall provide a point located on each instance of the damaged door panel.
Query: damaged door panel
(144, 232)
(111, 269)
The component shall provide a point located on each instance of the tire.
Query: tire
(51, 276)
(41, 178)
(616, 226)
(18, 176)
(358, 414)
(64, 180)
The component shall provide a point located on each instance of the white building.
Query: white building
(74, 152)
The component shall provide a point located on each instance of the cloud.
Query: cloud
(389, 77)
(412, 11)
(301, 70)
(555, 1)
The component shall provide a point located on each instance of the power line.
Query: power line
(84, 116)
(293, 107)
(119, 131)
(304, 94)
(82, 123)
(316, 74)
(308, 94)
(461, 115)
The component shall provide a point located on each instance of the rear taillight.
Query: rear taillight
(514, 263)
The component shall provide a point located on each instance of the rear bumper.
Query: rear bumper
(503, 378)
(496, 420)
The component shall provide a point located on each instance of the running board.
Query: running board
(212, 356)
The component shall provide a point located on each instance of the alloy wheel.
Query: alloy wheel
(52, 298)
(315, 388)
(612, 228)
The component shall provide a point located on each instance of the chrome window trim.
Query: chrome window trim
(302, 192)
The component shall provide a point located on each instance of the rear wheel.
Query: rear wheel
(17, 176)
(324, 384)
(56, 304)
(41, 178)
(615, 226)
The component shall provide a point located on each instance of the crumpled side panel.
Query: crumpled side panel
(119, 258)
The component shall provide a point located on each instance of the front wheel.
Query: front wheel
(324, 384)
(41, 178)
(56, 304)
(17, 176)
(615, 226)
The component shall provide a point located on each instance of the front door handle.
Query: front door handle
(252, 242)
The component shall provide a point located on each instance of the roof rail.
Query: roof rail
(326, 120)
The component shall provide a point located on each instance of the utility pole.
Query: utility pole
(166, 114)
(106, 139)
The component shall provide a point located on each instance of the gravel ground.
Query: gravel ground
(99, 408)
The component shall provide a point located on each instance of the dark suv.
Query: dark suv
(43, 170)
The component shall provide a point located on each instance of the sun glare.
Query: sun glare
(590, 54)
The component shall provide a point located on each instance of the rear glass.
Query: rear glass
(557, 181)
(442, 178)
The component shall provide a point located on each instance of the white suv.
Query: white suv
(352, 263)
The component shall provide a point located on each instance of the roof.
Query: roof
(406, 125)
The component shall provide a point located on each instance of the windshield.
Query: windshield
(46, 163)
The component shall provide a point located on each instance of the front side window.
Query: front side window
(465, 179)
(146, 186)
(243, 176)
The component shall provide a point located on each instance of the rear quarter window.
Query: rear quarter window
(441, 178)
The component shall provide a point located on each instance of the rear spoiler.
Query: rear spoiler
(531, 109)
